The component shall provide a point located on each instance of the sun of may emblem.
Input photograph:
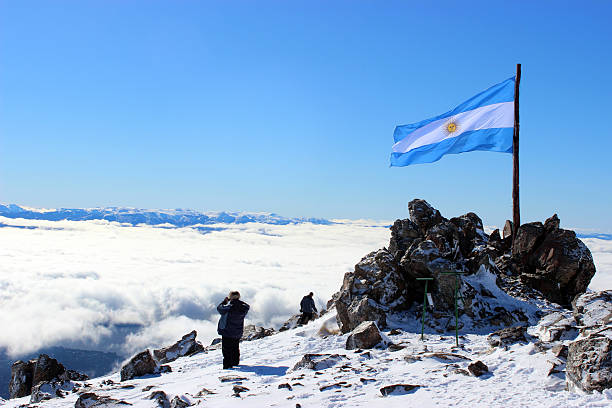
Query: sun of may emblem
(451, 126)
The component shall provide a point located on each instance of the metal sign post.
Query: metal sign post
(424, 304)
(456, 273)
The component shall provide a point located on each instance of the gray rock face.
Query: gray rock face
(141, 364)
(364, 336)
(589, 364)
(556, 326)
(593, 309)
(21, 378)
(318, 361)
(589, 359)
(186, 346)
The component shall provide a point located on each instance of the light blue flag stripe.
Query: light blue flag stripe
(493, 140)
(502, 92)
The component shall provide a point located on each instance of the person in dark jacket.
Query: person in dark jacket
(307, 308)
(231, 324)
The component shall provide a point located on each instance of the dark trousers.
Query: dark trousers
(305, 318)
(231, 351)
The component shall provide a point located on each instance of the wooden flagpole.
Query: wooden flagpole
(516, 209)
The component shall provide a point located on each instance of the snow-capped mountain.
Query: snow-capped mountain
(135, 216)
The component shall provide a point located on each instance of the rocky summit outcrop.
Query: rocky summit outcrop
(42, 378)
(544, 262)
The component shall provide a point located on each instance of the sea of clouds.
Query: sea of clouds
(107, 286)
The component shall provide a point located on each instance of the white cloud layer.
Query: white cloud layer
(100, 285)
(106, 286)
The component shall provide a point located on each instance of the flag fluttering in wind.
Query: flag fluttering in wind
(483, 122)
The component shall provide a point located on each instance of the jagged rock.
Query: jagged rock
(178, 402)
(252, 332)
(90, 400)
(285, 385)
(403, 233)
(589, 364)
(552, 260)
(50, 389)
(290, 323)
(21, 378)
(556, 326)
(508, 336)
(43, 377)
(423, 215)
(360, 310)
(139, 365)
(186, 346)
(508, 228)
(161, 398)
(478, 368)
(46, 369)
(527, 239)
(377, 274)
(399, 389)
(318, 361)
(593, 310)
(364, 336)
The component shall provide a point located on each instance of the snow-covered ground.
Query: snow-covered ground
(518, 377)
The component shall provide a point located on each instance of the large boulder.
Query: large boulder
(43, 378)
(552, 260)
(139, 365)
(22, 373)
(364, 336)
(589, 364)
(186, 346)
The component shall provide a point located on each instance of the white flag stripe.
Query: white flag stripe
(498, 115)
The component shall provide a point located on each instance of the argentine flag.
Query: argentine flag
(484, 122)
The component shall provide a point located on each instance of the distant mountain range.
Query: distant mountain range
(135, 216)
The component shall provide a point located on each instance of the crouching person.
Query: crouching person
(308, 309)
(231, 325)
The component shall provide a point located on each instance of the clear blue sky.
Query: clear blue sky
(290, 106)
